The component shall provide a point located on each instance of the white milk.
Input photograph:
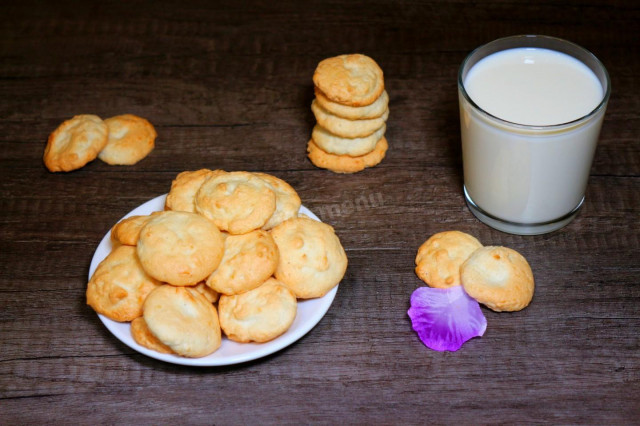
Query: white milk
(517, 172)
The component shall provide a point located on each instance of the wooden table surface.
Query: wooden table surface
(228, 85)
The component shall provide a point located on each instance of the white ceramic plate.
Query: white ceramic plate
(310, 312)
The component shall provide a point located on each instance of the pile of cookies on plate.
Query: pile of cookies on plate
(229, 254)
(351, 111)
(498, 277)
(120, 140)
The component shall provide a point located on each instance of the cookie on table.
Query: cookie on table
(346, 163)
(127, 231)
(347, 128)
(184, 187)
(249, 259)
(180, 248)
(119, 285)
(439, 258)
(131, 138)
(258, 315)
(353, 147)
(143, 336)
(312, 259)
(354, 80)
(287, 200)
(499, 278)
(237, 202)
(75, 142)
(375, 110)
(184, 320)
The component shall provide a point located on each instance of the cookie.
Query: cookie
(131, 138)
(142, 335)
(374, 110)
(353, 147)
(127, 230)
(237, 202)
(354, 80)
(259, 315)
(346, 163)
(249, 259)
(499, 278)
(184, 187)
(184, 320)
(287, 200)
(210, 294)
(312, 260)
(119, 285)
(439, 258)
(347, 128)
(180, 248)
(75, 142)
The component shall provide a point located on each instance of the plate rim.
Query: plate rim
(261, 349)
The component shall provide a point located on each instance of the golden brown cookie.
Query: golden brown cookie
(258, 315)
(237, 202)
(353, 147)
(354, 80)
(347, 128)
(210, 294)
(180, 248)
(439, 258)
(131, 138)
(312, 260)
(346, 163)
(287, 200)
(119, 285)
(127, 230)
(499, 278)
(374, 110)
(249, 259)
(75, 142)
(184, 187)
(184, 320)
(142, 335)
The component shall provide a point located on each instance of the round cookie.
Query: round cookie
(131, 138)
(259, 315)
(499, 278)
(287, 200)
(439, 258)
(127, 231)
(237, 202)
(142, 335)
(119, 285)
(347, 128)
(210, 294)
(184, 187)
(354, 80)
(180, 248)
(75, 142)
(346, 163)
(374, 110)
(249, 259)
(353, 147)
(184, 320)
(312, 260)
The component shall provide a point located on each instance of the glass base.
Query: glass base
(520, 228)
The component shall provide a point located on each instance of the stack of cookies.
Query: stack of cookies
(351, 110)
(229, 256)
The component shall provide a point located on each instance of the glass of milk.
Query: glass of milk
(531, 108)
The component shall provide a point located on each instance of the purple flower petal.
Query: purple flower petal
(445, 318)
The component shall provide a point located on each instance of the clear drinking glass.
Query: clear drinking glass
(527, 179)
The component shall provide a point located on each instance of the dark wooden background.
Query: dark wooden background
(228, 85)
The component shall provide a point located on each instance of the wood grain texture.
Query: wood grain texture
(228, 85)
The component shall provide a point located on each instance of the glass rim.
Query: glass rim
(548, 127)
